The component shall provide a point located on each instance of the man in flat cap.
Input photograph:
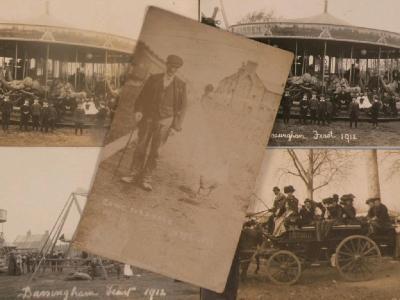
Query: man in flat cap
(159, 112)
(348, 210)
(378, 215)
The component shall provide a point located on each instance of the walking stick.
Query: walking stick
(123, 152)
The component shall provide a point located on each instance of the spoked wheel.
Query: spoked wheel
(357, 258)
(284, 267)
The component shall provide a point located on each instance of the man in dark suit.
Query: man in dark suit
(378, 216)
(322, 111)
(159, 112)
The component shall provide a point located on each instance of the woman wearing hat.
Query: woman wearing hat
(290, 215)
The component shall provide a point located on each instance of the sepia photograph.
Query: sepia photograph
(300, 238)
(326, 223)
(183, 153)
(343, 88)
(62, 65)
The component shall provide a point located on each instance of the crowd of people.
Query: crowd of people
(42, 115)
(322, 109)
(25, 263)
(287, 212)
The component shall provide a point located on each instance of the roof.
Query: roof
(30, 241)
(324, 18)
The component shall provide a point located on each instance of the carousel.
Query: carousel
(46, 58)
(330, 53)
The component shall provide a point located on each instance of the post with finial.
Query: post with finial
(326, 6)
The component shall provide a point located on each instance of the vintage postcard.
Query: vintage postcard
(62, 66)
(343, 88)
(37, 262)
(184, 150)
(326, 222)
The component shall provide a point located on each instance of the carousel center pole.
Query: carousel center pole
(351, 66)
(323, 68)
(379, 67)
(46, 72)
(76, 69)
(16, 60)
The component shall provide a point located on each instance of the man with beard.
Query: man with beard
(159, 112)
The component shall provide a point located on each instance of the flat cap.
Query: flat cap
(175, 61)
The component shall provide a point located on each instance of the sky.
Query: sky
(381, 14)
(121, 17)
(356, 181)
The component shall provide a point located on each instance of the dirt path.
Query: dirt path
(61, 137)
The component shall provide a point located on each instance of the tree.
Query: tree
(392, 158)
(317, 167)
(259, 16)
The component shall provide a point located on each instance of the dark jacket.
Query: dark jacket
(348, 213)
(381, 213)
(25, 111)
(354, 109)
(286, 103)
(36, 108)
(304, 105)
(79, 115)
(376, 106)
(6, 107)
(314, 103)
(335, 213)
(307, 216)
(149, 101)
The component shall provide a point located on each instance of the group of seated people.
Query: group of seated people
(334, 210)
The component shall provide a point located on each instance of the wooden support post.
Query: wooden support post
(323, 68)
(295, 60)
(16, 61)
(351, 66)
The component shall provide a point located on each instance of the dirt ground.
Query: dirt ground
(143, 285)
(61, 137)
(315, 283)
(325, 283)
(338, 133)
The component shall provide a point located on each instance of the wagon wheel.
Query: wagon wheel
(284, 267)
(357, 258)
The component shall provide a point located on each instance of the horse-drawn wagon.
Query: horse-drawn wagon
(349, 248)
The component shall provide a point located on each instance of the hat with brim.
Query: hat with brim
(175, 61)
(288, 189)
(329, 200)
(373, 199)
(347, 198)
(308, 201)
(276, 188)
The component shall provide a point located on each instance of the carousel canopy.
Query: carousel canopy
(45, 29)
(311, 33)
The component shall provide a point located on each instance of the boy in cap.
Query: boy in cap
(376, 106)
(286, 106)
(159, 112)
(36, 110)
(52, 117)
(329, 110)
(44, 116)
(322, 111)
(79, 118)
(304, 105)
(354, 111)
(6, 110)
(25, 114)
(314, 103)
(378, 216)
